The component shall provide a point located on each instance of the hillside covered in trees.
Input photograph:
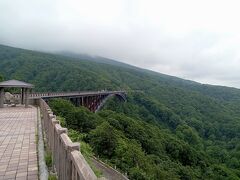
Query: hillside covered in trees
(169, 128)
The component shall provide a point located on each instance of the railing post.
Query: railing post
(54, 137)
(58, 149)
(51, 129)
(70, 168)
(68, 160)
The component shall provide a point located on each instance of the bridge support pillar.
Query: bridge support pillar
(78, 102)
(82, 101)
(87, 102)
(90, 103)
(1, 97)
(72, 101)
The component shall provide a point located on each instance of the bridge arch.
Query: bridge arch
(120, 96)
(93, 100)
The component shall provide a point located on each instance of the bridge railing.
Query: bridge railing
(66, 94)
(68, 160)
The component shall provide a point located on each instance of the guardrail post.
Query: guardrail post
(58, 149)
(54, 137)
(68, 160)
(70, 168)
(51, 130)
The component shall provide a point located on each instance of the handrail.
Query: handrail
(68, 160)
(67, 94)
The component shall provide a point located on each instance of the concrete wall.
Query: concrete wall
(67, 158)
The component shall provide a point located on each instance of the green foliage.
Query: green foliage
(170, 129)
(136, 147)
(79, 119)
(85, 148)
(188, 134)
(48, 159)
(61, 107)
(1, 78)
(138, 174)
(62, 121)
(52, 177)
(104, 139)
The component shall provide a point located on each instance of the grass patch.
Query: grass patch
(48, 159)
(62, 121)
(96, 171)
(52, 177)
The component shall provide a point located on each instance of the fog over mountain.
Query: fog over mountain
(197, 40)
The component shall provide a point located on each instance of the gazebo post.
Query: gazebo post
(1, 97)
(26, 97)
(22, 96)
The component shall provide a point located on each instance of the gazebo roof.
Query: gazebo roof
(15, 83)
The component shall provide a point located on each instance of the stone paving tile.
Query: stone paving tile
(18, 154)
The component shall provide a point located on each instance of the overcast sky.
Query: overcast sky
(192, 39)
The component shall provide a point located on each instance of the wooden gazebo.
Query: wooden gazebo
(25, 88)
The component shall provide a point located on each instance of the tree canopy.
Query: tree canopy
(169, 128)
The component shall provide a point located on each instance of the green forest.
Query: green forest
(169, 128)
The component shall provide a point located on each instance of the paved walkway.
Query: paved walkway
(18, 154)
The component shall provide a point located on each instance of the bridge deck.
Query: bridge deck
(69, 94)
(18, 151)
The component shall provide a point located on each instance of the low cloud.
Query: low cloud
(193, 40)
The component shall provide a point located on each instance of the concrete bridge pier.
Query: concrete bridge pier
(86, 101)
(78, 101)
(82, 101)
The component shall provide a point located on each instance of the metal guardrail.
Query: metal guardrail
(68, 160)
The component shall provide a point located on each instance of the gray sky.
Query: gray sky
(192, 39)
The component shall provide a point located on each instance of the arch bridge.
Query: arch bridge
(93, 100)
(20, 123)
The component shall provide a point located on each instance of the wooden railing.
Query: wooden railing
(68, 160)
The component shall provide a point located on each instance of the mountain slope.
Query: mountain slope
(180, 127)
